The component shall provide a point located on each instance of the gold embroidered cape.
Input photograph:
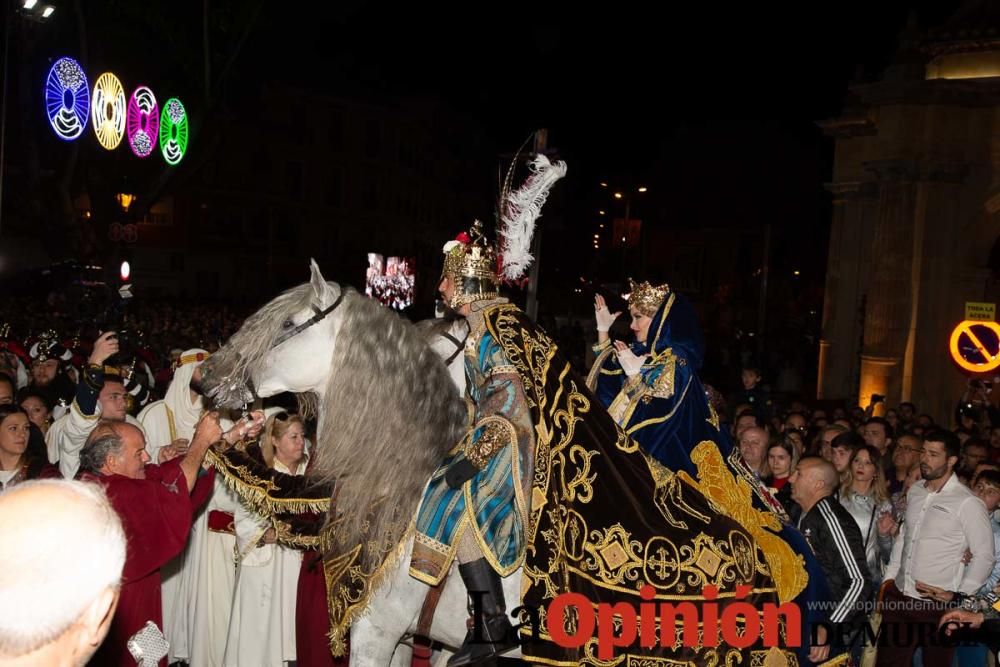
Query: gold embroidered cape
(605, 519)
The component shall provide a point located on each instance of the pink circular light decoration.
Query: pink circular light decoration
(143, 121)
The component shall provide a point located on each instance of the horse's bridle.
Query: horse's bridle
(318, 315)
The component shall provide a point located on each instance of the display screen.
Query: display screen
(390, 281)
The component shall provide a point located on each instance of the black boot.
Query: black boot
(490, 632)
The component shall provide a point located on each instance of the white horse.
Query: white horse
(389, 411)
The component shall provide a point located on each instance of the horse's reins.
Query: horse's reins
(459, 345)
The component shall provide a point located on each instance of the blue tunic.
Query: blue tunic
(491, 504)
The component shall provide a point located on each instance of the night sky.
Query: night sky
(716, 93)
(711, 105)
(610, 82)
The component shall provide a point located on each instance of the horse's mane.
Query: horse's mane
(390, 414)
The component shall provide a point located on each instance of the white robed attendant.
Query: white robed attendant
(262, 626)
(198, 585)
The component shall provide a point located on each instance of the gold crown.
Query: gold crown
(646, 298)
(471, 264)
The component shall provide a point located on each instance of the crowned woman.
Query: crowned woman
(652, 390)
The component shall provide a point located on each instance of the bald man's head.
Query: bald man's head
(814, 479)
(61, 559)
(115, 448)
(753, 446)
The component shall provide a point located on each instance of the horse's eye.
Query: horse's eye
(287, 324)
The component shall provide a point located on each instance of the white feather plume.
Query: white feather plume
(519, 211)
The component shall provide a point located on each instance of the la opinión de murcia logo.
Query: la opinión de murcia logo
(740, 624)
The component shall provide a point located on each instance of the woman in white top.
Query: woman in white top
(262, 626)
(864, 494)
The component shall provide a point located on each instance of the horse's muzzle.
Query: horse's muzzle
(224, 390)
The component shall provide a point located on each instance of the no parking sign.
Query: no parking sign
(975, 346)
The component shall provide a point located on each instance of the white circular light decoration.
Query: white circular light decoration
(108, 111)
(143, 122)
(67, 99)
(173, 131)
(126, 271)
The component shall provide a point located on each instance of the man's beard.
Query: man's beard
(449, 314)
(933, 473)
(196, 387)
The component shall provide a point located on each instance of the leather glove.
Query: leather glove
(459, 473)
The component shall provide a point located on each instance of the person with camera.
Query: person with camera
(99, 394)
(975, 410)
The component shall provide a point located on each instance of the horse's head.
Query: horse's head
(285, 346)
(389, 411)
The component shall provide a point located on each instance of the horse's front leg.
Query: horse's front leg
(391, 612)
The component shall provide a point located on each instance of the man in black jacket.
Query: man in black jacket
(836, 540)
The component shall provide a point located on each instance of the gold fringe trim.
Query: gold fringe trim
(255, 492)
(339, 632)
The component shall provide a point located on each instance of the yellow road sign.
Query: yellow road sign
(975, 346)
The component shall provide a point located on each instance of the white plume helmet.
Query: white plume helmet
(519, 210)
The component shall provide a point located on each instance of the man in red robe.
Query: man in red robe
(156, 506)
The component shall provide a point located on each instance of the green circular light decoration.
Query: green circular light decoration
(173, 131)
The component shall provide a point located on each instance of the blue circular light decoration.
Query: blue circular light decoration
(67, 99)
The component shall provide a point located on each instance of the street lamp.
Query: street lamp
(31, 10)
(125, 200)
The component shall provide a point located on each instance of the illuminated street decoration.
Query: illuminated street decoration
(143, 121)
(108, 111)
(173, 131)
(67, 99)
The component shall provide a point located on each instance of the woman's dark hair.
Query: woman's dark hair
(9, 380)
(9, 409)
(28, 392)
(789, 448)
